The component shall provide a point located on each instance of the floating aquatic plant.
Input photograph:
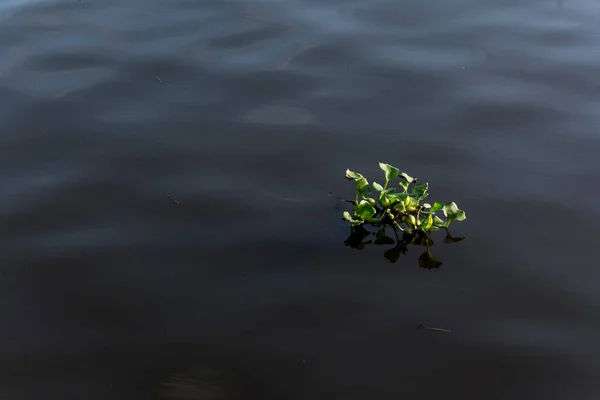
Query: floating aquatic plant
(401, 207)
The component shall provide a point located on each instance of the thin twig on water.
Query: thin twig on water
(423, 326)
(161, 80)
(172, 199)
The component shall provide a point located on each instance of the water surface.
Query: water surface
(247, 114)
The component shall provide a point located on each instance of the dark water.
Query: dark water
(244, 290)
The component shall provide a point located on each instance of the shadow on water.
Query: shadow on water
(359, 236)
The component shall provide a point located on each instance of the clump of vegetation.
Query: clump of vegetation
(401, 208)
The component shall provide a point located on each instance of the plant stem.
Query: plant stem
(396, 223)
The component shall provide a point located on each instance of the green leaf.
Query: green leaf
(427, 223)
(353, 175)
(404, 185)
(398, 196)
(450, 208)
(399, 207)
(407, 178)
(420, 191)
(426, 205)
(347, 216)
(387, 197)
(362, 182)
(365, 210)
(377, 187)
(452, 212)
(411, 203)
(438, 222)
(391, 172)
(428, 261)
(436, 207)
(362, 187)
(384, 200)
(364, 191)
(353, 221)
(372, 201)
(411, 220)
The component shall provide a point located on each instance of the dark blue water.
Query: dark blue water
(247, 114)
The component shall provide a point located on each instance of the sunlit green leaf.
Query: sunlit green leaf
(353, 221)
(377, 187)
(383, 200)
(438, 222)
(420, 191)
(391, 172)
(450, 208)
(362, 182)
(399, 207)
(365, 210)
(452, 212)
(387, 193)
(461, 215)
(371, 201)
(436, 207)
(364, 191)
(428, 261)
(411, 203)
(362, 187)
(387, 199)
(353, 175)
(404, 185)
(407, 177)
(427, 223)
(398, 196)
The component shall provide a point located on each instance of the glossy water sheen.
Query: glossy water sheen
(244, 290)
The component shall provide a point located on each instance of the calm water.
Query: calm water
(247, 113)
